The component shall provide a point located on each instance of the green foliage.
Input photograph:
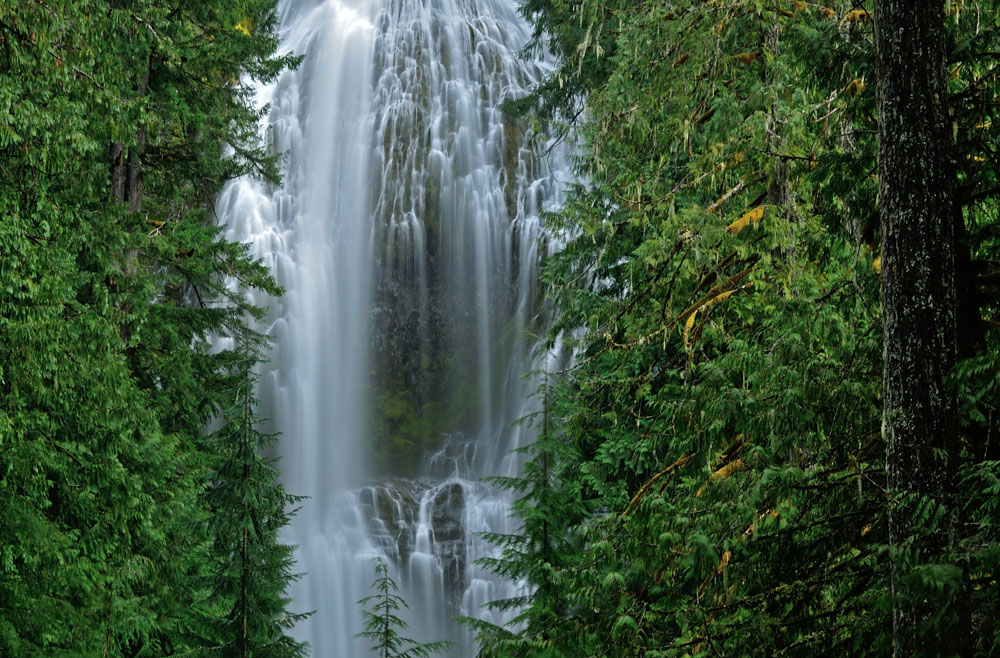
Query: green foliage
(547, 507)
(718, 448)
(248, 508)
(118, 123)
(402, 432)
(384, 627)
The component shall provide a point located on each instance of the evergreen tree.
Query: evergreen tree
(720, 282)
(384, 627)
(917, 208)
(97, 498)
(248, 507)
(548, 506)
(113, 118)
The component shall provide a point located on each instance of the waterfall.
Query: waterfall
(406, 235)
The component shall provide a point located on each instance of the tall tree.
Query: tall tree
(720, 283)
(917, 207)
(112, 282)
(248, 507)
(718, 294)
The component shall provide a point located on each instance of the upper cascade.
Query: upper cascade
(457, 190)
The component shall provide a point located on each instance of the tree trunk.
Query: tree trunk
(917, 208)
(116, 153)
(126, 187)
(133, 167)
(244, 593)
(126, 168)
(133, 172)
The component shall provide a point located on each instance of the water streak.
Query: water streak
(406, 234)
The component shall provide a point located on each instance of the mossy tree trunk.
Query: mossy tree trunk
(919, 302)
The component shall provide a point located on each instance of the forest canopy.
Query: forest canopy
(779, 433)
(128, 528)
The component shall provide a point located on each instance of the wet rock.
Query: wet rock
(446, 517)
(393, 511)
(448, 507)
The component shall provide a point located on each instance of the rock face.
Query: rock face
(392, 509)
(412, 516)
(456, 191)
(447, 522)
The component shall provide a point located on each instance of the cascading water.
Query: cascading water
(406, 235)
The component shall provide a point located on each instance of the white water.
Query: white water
(406, 231)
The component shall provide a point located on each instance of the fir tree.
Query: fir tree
(548, 541)
(917, 205)
(720, 283)
(248, 507)
(384, 627)
(112, 283)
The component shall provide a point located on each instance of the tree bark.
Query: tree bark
(244, 593)
(917, 205)
(126, 168)
(116, 153)
(133, 166)
(133, 172)
(126, 187)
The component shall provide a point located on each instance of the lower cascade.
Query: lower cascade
(407, 238)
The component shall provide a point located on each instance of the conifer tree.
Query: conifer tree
(112, 282)
(549, 508)
(720, 283)
(248, 507)
(928, 291)
(917, 205)
(384, 627)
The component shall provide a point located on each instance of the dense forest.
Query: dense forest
(778, 277)
(779, 434)
(130, 526)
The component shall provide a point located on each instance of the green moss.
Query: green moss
(404, 433)
(512, 141)
(409, 424)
